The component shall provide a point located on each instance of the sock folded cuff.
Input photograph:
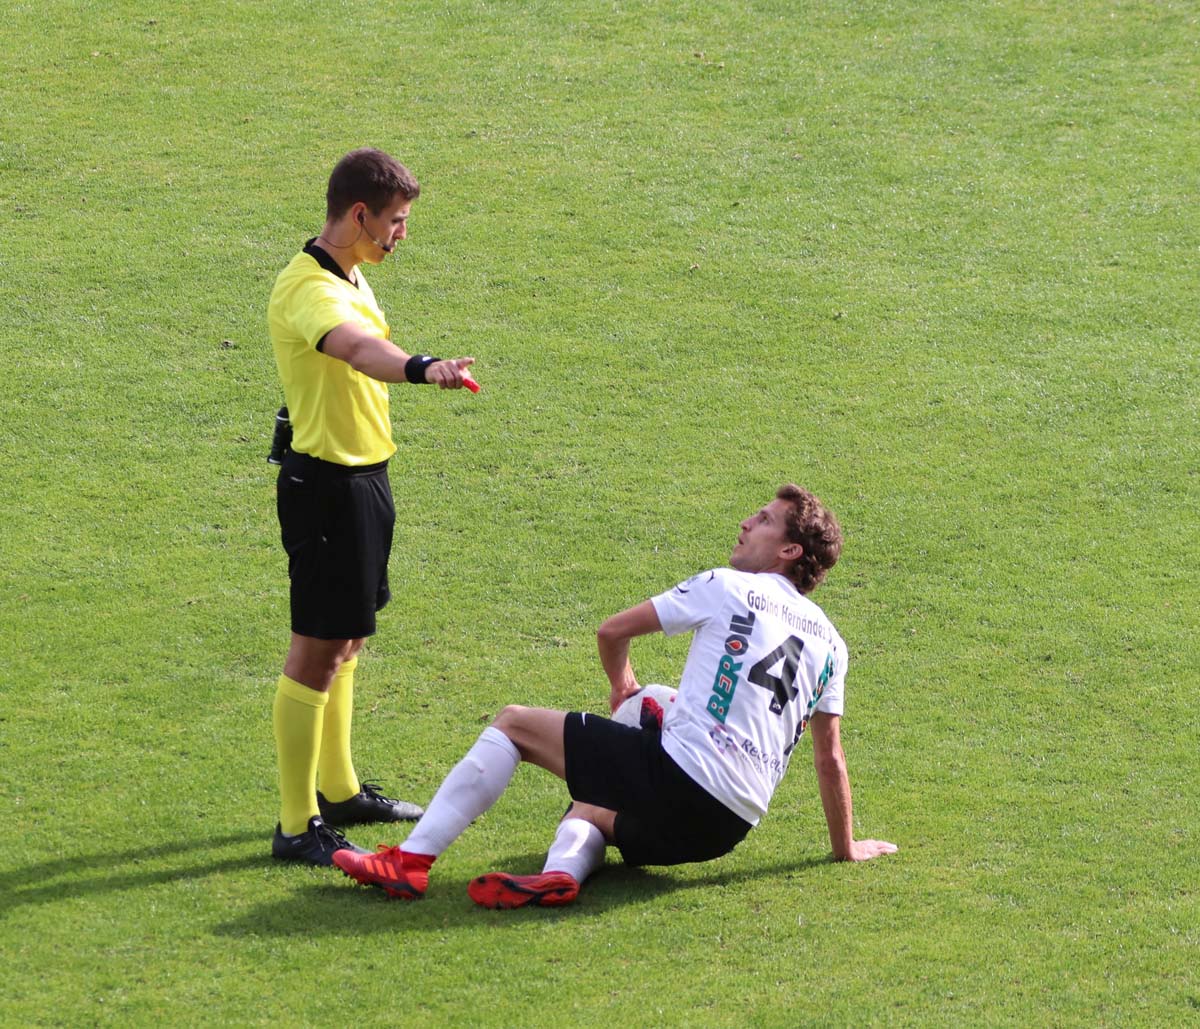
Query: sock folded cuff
(299, 692)
(347, 667)
(494, 736)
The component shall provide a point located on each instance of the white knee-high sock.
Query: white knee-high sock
(578, 849)
(473, 786)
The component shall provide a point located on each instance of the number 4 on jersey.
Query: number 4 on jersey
(782, 685)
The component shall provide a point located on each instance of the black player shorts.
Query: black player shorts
(664, 817)
(336, 523)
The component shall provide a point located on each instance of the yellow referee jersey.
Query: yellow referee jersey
(337, 413)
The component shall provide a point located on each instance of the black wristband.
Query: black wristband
(414, 368)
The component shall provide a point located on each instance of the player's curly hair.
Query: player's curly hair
(814, 527)
(371, 176)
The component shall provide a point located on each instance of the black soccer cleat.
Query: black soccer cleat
(315, 846)
(366, 806)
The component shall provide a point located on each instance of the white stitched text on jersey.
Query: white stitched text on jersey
(794, 620)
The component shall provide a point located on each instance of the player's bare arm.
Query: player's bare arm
(612, 640)
(383, 360)
(830, 762)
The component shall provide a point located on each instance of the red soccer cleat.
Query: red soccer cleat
(397, 872)
(500, 890)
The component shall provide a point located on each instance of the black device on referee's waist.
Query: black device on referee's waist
(281, 442)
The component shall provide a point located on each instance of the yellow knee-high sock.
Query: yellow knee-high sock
(298, 720)
(335, 769)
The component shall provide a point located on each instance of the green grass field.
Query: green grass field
(935, 261)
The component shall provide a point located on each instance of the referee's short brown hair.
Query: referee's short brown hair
(371, 176)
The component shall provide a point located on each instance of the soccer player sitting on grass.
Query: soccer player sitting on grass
(764, 664)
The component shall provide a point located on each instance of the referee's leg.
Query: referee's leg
(302, 694)
(313, 662)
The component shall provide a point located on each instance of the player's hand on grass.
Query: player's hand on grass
(864, 850)
(449, 374)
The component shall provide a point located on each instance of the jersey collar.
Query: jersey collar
(323, 258)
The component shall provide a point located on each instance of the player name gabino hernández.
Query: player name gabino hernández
(794, 620)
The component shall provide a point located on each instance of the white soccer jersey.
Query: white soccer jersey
(763, 658)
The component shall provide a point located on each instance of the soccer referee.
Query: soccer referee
(336, 357)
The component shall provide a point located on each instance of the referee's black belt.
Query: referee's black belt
(320, 467)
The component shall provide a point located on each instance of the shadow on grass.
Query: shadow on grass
(342, 908)
(337, 906)
(82, 875)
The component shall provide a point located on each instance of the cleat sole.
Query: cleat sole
(499, 891)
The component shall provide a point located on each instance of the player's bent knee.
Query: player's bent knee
(537, 733)
(514, 722)
(509, 718)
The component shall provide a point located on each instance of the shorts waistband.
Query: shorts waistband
(316, 464)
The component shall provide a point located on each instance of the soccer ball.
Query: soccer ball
(634, 709)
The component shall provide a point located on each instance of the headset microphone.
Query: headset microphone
(386, 248)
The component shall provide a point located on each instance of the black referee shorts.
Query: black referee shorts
(336, 524)
(664, 817)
